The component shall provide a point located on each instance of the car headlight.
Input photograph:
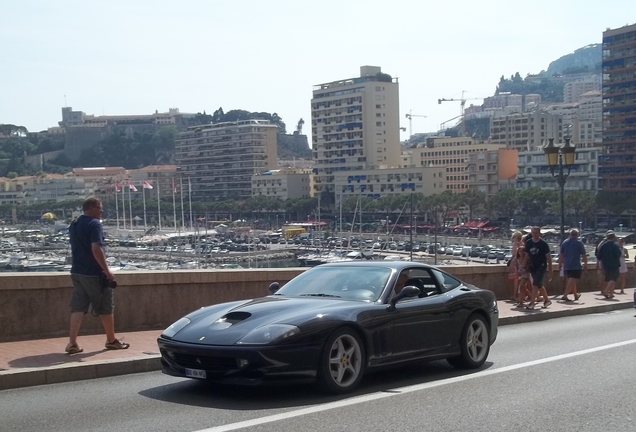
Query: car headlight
(268, 334)
(176, 327)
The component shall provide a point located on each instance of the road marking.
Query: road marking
(407, 389)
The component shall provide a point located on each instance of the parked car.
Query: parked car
(368, 304)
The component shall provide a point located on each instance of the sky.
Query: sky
(137, 57)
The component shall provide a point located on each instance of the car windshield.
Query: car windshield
(356, 283)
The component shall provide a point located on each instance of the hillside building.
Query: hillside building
(85, 130)
(573, 90)
(526, 131)
(355, 126)
(219, 160)
(617, 169)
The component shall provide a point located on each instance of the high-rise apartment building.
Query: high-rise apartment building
(617, 170)
(526, 131)
(218, 160)
(355, 125)
(573, 90)
(588, 125)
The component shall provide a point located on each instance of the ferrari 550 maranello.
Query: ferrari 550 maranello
(332, 324)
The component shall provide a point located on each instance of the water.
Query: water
(272, 263)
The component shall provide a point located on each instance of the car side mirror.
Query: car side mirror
(407, 291)
(273, 287)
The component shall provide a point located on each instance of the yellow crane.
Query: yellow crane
(410, 116)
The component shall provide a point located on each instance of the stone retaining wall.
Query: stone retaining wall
(35, 305)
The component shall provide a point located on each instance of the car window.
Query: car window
(419, 277)
(448, 282)
(360, 283)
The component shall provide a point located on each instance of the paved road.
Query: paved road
(561, 375)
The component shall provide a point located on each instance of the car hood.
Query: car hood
(226, 326)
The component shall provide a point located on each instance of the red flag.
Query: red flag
(117, 187)
(132, 186)
(146, 185)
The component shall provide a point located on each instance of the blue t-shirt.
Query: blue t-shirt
(83, 233)
(572, 250)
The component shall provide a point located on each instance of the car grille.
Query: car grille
(203, 362)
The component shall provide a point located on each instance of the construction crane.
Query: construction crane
(410, 116)
(462, 102)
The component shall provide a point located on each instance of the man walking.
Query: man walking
(610, 256)
(572, 251)
(90, 276)
(539, 258)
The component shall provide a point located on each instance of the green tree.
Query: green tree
(472, 200)
(504, 203)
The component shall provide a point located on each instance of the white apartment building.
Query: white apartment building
(535, 172)
(526, 131)
(451, 154)
(218, 160)
(283, 184)
(588, 126)
(355, 126)
(573, 90)
(376, 183)
(568, 113)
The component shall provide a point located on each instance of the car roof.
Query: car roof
(395, 265)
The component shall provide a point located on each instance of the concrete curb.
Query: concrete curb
(542, 314)
(12, 379)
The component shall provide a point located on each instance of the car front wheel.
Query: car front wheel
(341, 362)
(474, 343)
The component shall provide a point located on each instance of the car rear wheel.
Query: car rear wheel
(474, 343)
(342, 362)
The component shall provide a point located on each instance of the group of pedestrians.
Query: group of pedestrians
(531, 258)
(530, 261)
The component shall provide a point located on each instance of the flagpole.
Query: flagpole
(130, 204)
(123, 204)
(182, 214)
(190, 200)
(174, 205)
(117, 206)
(143, 197)
(159, 204)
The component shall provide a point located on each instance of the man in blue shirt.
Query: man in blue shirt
(572, 251)
(90, 276)
(610, 256)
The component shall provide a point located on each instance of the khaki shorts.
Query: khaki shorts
(87, 290)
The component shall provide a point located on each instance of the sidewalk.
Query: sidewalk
(37, 362)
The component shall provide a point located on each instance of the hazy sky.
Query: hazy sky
(135, 57)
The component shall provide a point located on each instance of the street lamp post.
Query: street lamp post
(560, 160)
(580, 226)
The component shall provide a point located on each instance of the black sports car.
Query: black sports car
(333, 323)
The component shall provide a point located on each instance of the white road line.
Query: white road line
(408, 389)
